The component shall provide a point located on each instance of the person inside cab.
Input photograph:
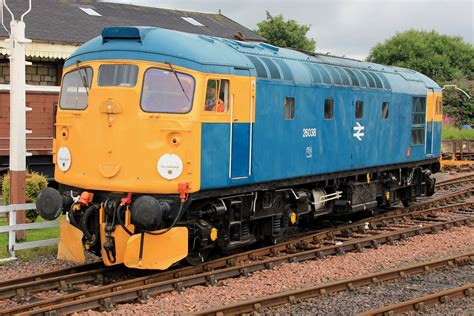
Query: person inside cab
(213, 101)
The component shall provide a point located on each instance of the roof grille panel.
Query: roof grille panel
(287, 75)
(261, 71)
(274, 73)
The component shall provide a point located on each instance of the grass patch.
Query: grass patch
(451, 133)
(31, 235)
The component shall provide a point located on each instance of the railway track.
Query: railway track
(257, 305)
(456, 182)
(23, 289)
(419, 304)
(49, 275)
(328, 240)
(374, 233)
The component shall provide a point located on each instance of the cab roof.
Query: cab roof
(225, 56)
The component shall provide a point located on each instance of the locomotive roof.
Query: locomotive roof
(218, 55)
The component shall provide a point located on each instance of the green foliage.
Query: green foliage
(283, 33)
(34, 183)
(456, 104)
(440, 57)
(452, 133)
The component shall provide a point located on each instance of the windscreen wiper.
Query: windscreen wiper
(83, 78)
(179, 81)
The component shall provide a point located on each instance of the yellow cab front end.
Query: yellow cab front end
(124, 128)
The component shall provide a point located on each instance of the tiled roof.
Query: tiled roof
(63, 20)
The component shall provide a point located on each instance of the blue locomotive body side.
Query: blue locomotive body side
(279, 150)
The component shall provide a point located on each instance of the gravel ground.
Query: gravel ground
(457, 307)
(296, 275)
(373, 297)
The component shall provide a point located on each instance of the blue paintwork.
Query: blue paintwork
(279, 150)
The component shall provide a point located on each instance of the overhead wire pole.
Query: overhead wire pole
(18, 110)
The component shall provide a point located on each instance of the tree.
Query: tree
(283, 33)
(457, 105)
(440, 57)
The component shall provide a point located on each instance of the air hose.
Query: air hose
(83, 223)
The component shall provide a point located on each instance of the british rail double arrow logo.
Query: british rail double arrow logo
(358, 131)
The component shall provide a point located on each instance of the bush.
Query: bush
(452, 133)
(35, 182)
(456, 105)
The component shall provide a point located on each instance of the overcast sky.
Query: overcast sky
(343, 27)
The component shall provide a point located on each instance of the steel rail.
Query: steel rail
(465, 180)
(51, 274)
(418, 304)
(61, 281)
(349, 284)
(140, 288)
(24, 287)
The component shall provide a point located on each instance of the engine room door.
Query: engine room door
(431, 104)
(241, 128)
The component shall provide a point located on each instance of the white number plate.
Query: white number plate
(309, 132)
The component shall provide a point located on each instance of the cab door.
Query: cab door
(430, 113)
(241, 129)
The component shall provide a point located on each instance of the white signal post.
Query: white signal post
(18, 111)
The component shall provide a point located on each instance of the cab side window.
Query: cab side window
(217, 96)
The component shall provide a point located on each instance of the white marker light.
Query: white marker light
(170, 166)
(64, 159)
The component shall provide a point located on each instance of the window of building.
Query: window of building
(90, 11)
(385, 110)
(118, 75)
(217, 96)
(289, 110)
(75, 89)
(328, 109)
(418, 121)
(359, 109)
(439, 106)
(167, 92)
(192, 21)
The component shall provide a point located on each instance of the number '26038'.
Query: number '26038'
(309, 132)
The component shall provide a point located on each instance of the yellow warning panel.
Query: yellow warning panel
(70, 243)
(159, 252)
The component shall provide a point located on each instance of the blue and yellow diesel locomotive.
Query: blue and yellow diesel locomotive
(169, 145)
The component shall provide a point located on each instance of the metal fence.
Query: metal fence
(13, 227)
